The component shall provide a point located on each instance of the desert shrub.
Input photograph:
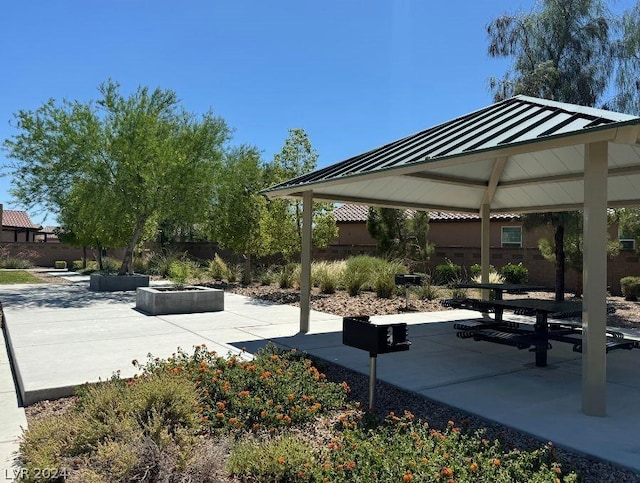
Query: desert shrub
(111, 264)
(218, 268)
(60, 264)
(426, 291)
(390, 452)
(140, 265)
(180, 272)
(514, 273)
(327, 275)
(447, 273)
(109, 423)
(266, 277)
(288, 275)
(494, 277)
(458, 292)
(630, 287)
(476, 269)
(274, 390)
(234, 273)
(159, 263)
(359, 273)
(15, 263)
(384, 278)
(274, 459)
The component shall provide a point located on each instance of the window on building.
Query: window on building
(511, 236)
(627, 242)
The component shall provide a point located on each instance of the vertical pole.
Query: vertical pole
(372, 380)
(485, 244)
(594, 310)
(305, 260)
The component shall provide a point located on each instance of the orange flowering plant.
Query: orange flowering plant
(273, 389)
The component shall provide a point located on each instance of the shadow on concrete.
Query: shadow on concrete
(65, 296)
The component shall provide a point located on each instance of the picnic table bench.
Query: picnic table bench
(537, 336)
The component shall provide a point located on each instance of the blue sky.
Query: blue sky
(353, 74)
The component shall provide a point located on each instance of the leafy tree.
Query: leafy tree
(282, 223)
(627, 50)
(117, 166)
(238, 208)
(561, 51)
(399, 235)
(573, 248)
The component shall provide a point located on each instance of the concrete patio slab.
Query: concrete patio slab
(64, 335)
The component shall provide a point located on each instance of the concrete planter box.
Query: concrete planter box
(168, 300)
(116, 283)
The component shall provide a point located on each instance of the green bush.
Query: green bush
(110, 426)
(359, 273)
(327, 275)
(15, 263)
(447, 273)
(60, 264)
(274, 390)
(267, 277)
(399, 449)
(277, 458)
(426, 291)
(218, 268)
(406, 449)
(234, 273)
(159, 263)
(476, 270)
(514, 273)
(180, 272)
(288, 275)
(630, 287)
(384, 278)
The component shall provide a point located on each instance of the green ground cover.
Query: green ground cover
(18, 276)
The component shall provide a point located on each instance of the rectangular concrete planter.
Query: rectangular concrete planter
(168, 300)
(116, 283)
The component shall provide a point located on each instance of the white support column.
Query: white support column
(594, 311)
(485, 245)
(305, 260)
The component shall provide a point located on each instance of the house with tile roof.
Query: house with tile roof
(18, 227)
(456, 237)
(445, 229)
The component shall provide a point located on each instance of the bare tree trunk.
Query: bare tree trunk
(99, 251)
(560, 262)
(246, 273)
(127, 261)
(84, 257)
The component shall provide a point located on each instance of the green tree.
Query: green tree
(627, 54)
(399, 235)
(282, 221)
(238, 208)
(131, 162)
(562, 51)
(573, 248)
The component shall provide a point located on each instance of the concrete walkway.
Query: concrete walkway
(64, 335)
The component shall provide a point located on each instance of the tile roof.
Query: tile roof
(17, 219)
(348, 213)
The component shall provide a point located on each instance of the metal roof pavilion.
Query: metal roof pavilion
(519, 155)
(526, 153)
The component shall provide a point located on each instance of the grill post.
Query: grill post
(373, 360)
